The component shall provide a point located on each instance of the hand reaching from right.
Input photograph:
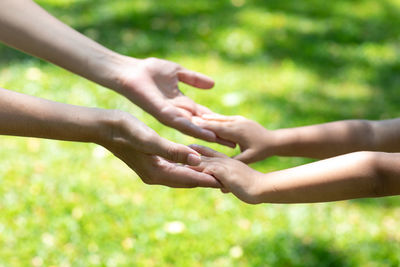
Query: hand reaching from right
(256, 142)
(234, 176)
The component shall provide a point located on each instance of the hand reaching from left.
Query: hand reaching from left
(152, 84)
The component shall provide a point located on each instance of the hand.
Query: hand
(140, 148)
(152, 84)
(123, 131)
(235, 176)
(156, 170)
(256, 142)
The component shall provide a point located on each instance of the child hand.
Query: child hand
(235, 176)
(254, 140)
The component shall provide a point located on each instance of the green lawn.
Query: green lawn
(281, 63)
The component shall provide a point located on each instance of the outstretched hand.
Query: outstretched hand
(152, 84)
(155, 159)
(235, 176)
(155, 170)
(256, 142)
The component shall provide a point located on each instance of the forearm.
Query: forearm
(23, 115)
(26, 26)
(354, 175)
(336, 138)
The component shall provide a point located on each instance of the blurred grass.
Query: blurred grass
(282, 63)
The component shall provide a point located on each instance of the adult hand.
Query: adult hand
(155, 170)
(143, 150)
(152, 84)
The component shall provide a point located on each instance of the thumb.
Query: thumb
(178, 153)
(195, 79)
(247, 156)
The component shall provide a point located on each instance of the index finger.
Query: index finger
(179, 176)
(208, 152)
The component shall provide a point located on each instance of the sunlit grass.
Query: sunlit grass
(279, 63)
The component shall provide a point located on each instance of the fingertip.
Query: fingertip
(196, 79)
(208, 135)
(194, 159)
(225, 190)
(243, 159)
(226, 142)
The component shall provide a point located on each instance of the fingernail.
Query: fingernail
(193, 159)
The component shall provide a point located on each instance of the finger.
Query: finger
(218, 129)
(195, 79)
(185, 103)
(206, 151)
(218, 117)
(187, 127)
(173, 117)
(221, 128)
(247, 156)
(225, 190)
(201, 110)
(225, 142)
(177, 153)
(183, 177)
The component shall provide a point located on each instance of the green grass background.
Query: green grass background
(281, 63)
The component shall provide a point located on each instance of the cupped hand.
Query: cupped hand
(123, 131)
(256, 142)
(235, 176)
(155, 170)
(155, 159)
(152, 84)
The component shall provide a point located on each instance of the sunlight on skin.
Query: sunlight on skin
(64, 174)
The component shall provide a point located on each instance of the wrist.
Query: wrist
(256, 190)
(271, 144)
(282, 142)
(104, 126)
(108, 69)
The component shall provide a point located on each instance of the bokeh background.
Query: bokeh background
(281, 63)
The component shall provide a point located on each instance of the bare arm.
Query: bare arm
(315, 141)
(150, 83)
(350, 176)
(125, 136)
(23, 115)
(24, 25)
(336, 138)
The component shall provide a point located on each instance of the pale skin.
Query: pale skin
(150, 83)
(142, 149)
(372, 173)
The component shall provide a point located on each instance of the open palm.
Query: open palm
(152, 84)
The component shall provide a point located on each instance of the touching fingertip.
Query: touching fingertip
(193, 160)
